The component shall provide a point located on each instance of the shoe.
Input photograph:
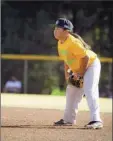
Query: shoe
(61, 122)
(94, 125)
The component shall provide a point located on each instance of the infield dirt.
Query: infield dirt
(25, 124)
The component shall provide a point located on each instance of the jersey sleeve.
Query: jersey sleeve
(77, 49)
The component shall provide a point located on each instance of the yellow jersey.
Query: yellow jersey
(72, 51)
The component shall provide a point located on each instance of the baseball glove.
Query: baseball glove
(78, 82)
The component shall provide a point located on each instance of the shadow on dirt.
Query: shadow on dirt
(43, 127)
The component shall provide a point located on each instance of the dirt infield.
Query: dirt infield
(24, 124)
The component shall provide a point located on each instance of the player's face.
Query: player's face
(58, 33)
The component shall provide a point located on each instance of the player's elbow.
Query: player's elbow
(86, 58)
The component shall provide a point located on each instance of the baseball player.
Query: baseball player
(82, 73)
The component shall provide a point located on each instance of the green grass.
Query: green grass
(58, 92)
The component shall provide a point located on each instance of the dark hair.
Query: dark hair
(80, 38)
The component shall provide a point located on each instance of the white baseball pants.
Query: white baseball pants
(90, 89)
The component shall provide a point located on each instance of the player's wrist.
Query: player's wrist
(78, 75)
(81, 74)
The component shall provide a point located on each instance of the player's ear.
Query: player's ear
(66, 31)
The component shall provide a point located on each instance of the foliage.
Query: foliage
(58, 92)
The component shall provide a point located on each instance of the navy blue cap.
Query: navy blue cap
(65, 24)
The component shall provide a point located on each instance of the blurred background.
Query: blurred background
(27, 29)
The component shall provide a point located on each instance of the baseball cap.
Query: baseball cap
(65, 24)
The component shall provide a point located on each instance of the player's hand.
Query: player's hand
(76, 76)
(75, 79)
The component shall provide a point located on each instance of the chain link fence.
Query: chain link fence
(43, 76)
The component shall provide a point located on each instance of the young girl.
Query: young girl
(83, 62)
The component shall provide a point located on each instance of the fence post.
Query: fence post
(25, 75)
(110, 75)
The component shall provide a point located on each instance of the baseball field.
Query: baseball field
(31, 117)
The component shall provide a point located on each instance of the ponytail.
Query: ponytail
(83, 42)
